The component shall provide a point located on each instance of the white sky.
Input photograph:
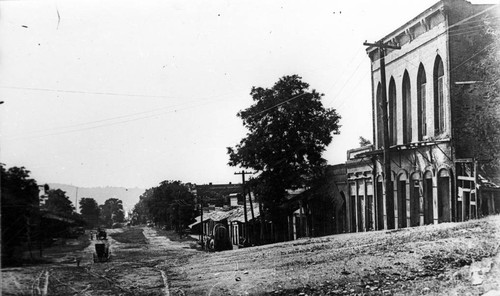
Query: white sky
(130, 93)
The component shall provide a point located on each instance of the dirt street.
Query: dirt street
(445, 259)
(136, 267)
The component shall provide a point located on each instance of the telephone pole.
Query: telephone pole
(202, 235)
(242, 173)
(76, 201)
(389, 189)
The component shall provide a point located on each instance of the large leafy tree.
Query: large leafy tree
(112, 212)
(289, 128)
(89, 209)
(57, 202)
(170, 204)
(19, 210)
(140, 212)
(478, 104)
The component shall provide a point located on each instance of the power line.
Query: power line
(299, 95)
(279, 104)
(86, 92)
(104, 125)
(472, 56)
(347, 81)
(469, 19)
(349, 63)
(101, 120)
(85, 125)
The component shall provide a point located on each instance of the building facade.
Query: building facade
(432, 181)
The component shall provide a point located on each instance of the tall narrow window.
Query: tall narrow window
(352, 205)
(439, 108)
(444, 197)
(421, 97)
(392, 112)
(416, 192)
(428, 199)
(401, 197)
(380, 121)
(380, 203)
(406, 108)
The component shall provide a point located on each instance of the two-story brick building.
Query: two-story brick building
(433, 181)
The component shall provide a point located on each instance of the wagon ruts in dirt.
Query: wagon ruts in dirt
(102, 252)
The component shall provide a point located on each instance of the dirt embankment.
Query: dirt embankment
(445, 259)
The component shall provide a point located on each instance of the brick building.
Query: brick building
(434, 180)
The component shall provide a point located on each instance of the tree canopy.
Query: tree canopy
(363, 142)
(59, 203)
(479, 128)
(89, 209)
(112, 212)
(289, 129)
(170, 204)
(19, 209)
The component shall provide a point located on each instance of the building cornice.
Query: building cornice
(406, 29)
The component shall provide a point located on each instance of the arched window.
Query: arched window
(439, 107)
(428, 199)
(416, 193)
(401, 199)
(406, 108)
(380, 121)
(421, 97)
(379, 195)
(444, 196)
(392, 113)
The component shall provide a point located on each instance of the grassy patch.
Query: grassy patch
(130, 236)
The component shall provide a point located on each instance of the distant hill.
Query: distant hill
(129, 196)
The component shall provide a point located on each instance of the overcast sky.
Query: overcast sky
(130, 93)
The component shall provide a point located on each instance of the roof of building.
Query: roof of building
(238, 214)
(235, 214)
(429, 11)
(52, 216)
(484, 182)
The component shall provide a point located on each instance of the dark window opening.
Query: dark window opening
(392, 113)
(402, 204)
(389, 202)
(428, 202)
(380, 206)
(444, 199)
(415, 203)
(439, 103)
(421, 102)
(407, 120)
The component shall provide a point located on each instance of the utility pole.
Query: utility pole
(389, 189)
(202, 239)
(242, 173)
(76, 201)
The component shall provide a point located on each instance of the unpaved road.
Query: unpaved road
(445, 259)
(135, 268)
